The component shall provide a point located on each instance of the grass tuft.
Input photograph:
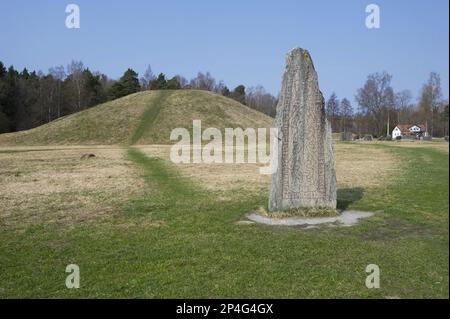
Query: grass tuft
(299, 212)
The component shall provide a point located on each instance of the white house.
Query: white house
(409, 130)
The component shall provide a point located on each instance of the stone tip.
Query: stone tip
(299, 51)
(300, 54)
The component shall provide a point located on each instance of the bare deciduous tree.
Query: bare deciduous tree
(257, 98)
(203, 82)
(58, 75)
(332, 110)
(346, 113)
(430, 99)
(147, 78)
(75, 71)
(402, 102)
(182, 81)
(376, 99)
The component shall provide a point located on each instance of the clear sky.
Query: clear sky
(237, 41)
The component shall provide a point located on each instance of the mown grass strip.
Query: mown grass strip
(149, 116)
(168, 180)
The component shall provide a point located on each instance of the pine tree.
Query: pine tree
(127, 84)
(130, 82)
(172, 84)
(239, 94)
(159, 83)
(5, 123)
(93, 89)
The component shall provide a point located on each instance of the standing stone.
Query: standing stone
(305, 176)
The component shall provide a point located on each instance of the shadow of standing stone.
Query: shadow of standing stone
(347, 196)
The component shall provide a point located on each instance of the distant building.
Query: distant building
(409, 131)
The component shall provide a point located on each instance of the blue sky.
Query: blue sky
(237, 41)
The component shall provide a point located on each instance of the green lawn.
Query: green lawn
(195, 249)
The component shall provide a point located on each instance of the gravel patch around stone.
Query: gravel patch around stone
(346, 218)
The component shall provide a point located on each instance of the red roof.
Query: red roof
(405, 128)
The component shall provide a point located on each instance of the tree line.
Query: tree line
(29, 99)
(254, 97)
(380, 108)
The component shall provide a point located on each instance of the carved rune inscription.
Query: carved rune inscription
(306, 176)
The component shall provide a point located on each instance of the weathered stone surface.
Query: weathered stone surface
(306, 175)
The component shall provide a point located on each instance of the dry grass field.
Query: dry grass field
(45, 185)
(33, 179)
(356, 166)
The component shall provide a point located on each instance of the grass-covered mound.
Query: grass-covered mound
(144, 118)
